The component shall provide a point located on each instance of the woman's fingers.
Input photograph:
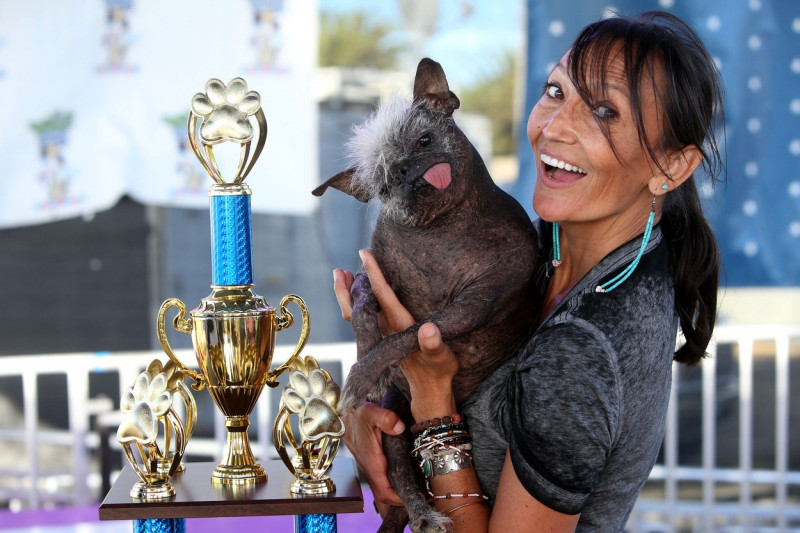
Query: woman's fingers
(364, 437)
(342, 282)
(430, 375)
(435, 360)
(395, 315)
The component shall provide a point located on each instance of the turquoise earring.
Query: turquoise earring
(617, 280)
(556, 246)
(665, 187)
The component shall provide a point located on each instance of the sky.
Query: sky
(466, 46)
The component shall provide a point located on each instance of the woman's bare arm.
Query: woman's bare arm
(430, 375)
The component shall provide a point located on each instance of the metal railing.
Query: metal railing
(680, 496)
(714, 509)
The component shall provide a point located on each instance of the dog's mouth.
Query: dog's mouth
(438, 175)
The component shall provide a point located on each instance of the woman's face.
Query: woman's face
(579, 177)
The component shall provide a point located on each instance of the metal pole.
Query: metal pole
(160, 525)
(315, 523)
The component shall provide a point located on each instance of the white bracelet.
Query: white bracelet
(451, 495)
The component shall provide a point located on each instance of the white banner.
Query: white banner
(94, 99)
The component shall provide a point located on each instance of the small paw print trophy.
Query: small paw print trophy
(147, 405)
(312, 396)
(233, 329)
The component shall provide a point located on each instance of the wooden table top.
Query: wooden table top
(196, 497)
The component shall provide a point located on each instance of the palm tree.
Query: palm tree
(352, 39)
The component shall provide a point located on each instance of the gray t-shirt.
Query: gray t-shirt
(582, 408)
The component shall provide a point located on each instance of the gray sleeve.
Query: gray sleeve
(563, 414)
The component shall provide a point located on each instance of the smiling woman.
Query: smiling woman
(565, 435)
(597, 134)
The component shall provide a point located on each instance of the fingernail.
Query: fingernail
(361, 254)
(334, 276)
(399, 427)
(428, 330)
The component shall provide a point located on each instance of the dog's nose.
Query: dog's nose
(405, 174)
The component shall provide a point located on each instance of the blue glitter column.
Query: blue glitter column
(315, 523)
(160, 525)
(231, 239)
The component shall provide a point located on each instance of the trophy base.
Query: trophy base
(147, 491)
(238, 475)
(238, 466)
(311, 487)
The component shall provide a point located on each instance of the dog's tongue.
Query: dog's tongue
(438, 175)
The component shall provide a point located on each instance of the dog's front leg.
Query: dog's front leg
(420, 515)
(406, 479)
(365, 314)
(367, 332)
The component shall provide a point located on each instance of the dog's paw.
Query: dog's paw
(347, 402)
(431, 521)
(358, 388)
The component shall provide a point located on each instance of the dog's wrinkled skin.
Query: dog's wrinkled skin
(457, 251)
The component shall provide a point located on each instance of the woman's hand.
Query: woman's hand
(342, 281)
(363, 438)
(430, 375)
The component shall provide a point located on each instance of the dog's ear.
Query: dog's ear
(343, 181)
(430, 85)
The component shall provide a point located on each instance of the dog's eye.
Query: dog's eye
(424, 141)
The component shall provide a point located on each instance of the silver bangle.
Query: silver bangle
(439, 465)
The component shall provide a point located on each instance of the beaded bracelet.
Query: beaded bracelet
(451, 495)
(455, 418)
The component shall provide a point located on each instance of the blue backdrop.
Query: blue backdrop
(756, 44)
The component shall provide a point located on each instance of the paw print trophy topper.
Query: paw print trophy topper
(311, 395)
(224, 110)
(148, 403)
(233, 329)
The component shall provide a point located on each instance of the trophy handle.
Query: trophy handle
(184, 326)
(286, 320)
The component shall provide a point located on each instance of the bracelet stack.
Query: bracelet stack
(442, 446)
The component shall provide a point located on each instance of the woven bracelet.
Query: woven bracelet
(455, 418)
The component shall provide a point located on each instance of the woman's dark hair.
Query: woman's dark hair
(689, 105)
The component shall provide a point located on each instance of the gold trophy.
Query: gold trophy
(312, 396)
(233, 329)
(146, 405)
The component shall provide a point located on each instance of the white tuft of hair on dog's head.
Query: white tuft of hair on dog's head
(384, 139)
(366, 149)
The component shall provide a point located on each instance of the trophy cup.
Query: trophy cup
(233, 329)
(146, 404)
